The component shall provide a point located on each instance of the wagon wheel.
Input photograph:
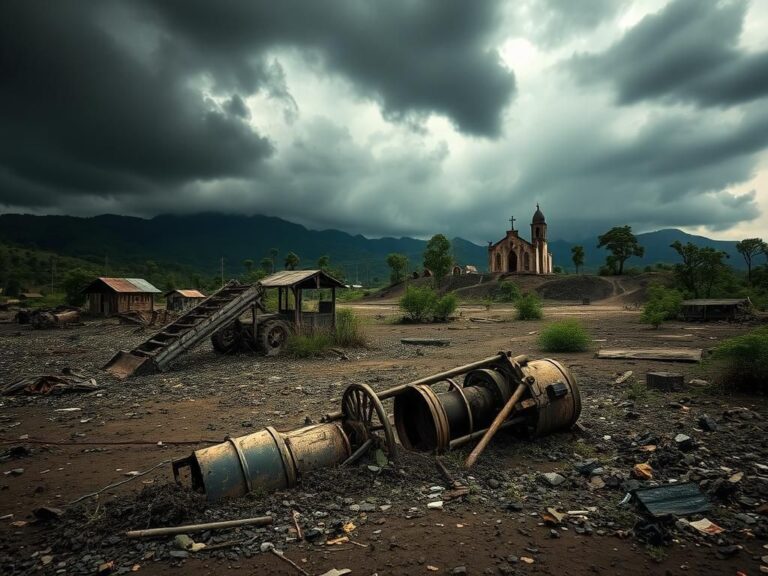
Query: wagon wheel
(273, 337)
(226, 340)
(364, 416)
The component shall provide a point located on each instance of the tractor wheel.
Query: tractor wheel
(226, 340)
(273, 337)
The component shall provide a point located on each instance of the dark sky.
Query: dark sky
(391, 118)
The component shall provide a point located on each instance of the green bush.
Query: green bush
(444, 307)
(508, 292)
(529, 307)
(663, 304)
(349, 330)
(565, 336)
(418, 304)
(742, 362)
(309, 343)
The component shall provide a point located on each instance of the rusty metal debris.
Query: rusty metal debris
(533, 397)
(69, 380)
(41, 319)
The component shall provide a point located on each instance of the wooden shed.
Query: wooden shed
(112, 296)
(177, 300)
(294, 283)
(705, 309)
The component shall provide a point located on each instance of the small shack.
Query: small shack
(705, 309)
(177, 300)
(295, 282)
(112, 296)
(27, 296)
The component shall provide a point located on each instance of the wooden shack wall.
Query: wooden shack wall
(108, 304)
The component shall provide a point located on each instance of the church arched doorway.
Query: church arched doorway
(512, 262)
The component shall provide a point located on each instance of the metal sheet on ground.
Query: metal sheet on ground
(669, 354)
(673, 500)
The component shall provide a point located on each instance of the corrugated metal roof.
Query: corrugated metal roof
(187, 293)
(715, 302)
(287, 278)
(130, 285)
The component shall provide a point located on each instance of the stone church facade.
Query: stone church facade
(516, 255)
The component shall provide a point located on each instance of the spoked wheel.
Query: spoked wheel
(273, 337)
(226, 340)
(364, 418)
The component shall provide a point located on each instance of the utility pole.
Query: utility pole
(222, 271)
(53, 272)
(106, 265)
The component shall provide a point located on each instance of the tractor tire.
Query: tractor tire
(273, 337)
(226, 340)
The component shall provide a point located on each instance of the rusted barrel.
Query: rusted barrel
(264, 461)
(429, 421)
(557, 397)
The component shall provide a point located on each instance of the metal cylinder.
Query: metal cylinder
(264, 461)
(428, 421)
(557, 397)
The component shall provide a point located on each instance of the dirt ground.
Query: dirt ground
(135, 424)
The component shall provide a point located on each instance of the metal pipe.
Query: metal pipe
(258, 521)
(494, 427)
(458, 442)
(434, 378)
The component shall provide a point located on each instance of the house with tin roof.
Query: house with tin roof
(112, 296)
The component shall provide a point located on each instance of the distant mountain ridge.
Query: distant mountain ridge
(200, 240)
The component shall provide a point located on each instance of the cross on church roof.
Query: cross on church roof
(512, 221)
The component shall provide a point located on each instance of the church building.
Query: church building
(514, 254)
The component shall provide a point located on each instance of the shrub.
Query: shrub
(418, 304)
(743, 362)
(508, 292)
(444, 307)
(663, 304)
(349, 331)
(309, 343)
(565, 336)
(528, 307)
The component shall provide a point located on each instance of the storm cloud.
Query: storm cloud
(688, 52)
(398, 118)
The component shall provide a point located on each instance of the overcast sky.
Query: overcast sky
(396, 117)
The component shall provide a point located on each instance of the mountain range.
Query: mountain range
(199, 242)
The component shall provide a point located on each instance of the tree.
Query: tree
(248, 265)
(266, 264)
(749, 248)
(324, 262)
(291, 261)
(74, 283)
(622, 245)
(700, 269)
(398, 264)
(438, 257)
(12, 287)
(577, 255)
(273, 253)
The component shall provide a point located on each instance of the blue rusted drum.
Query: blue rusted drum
(264, 461)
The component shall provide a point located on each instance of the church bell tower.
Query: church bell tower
(539, 241)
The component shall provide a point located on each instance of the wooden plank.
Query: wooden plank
(425, 341)
(668, 354)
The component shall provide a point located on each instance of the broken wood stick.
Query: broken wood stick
(148, 533)
(495, 425)
(291, 562)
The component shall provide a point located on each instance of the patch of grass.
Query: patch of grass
(564, 336)
(741, 362)
(585, 450)
(657, 553)
(309, 343)
(529, 307)
(349, 330)
(637, 390)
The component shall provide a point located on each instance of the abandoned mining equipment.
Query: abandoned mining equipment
(222, 318)
(529, 397)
